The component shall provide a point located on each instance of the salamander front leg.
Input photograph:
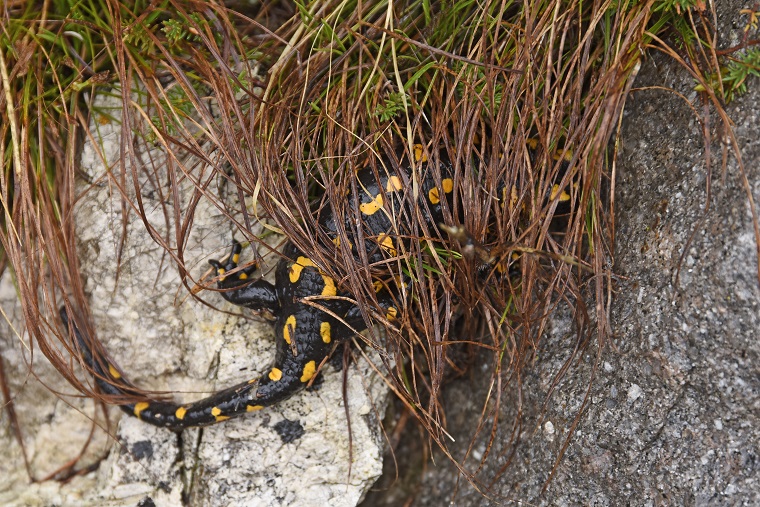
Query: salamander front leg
(238, 289)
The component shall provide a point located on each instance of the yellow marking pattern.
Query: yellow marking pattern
(566, 155)
(370, 208)
(391, 313)
(253, 408)
(139, 407)
(329, 288)
(275, 374)
(419, 153)
(433, 196)
(180, 413)
(114, 372)
(217, 413)
(336, 242)
(304, 262)
(308, 371)
(563, 196)
(394, 184)
(386, 243)
(324, 332)
(242, 276)
(290, 324)
(378, 285)
(235, 258)
(297, 267)
(220, 273)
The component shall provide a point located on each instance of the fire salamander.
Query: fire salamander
(305, 335)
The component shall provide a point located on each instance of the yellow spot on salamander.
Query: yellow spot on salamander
(394, 184)
(419, 153)
(566, 155)
(290, 326)
(304, 262)
(242, 276)
(253, 408)
(324, 332)
(297, 267)
(386, 243)
(563, 196)
(378, 285)
(370, 208)
(275, 374)
(391, 313)
(180, 413)
(434, 196)
(532, 143)
(336, 242)
(329, 288)
(308, 371)
(114, 372)
(235, 258)
(139, 407)
(217, 413)
(220, 273)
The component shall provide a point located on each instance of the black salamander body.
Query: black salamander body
(305, 335)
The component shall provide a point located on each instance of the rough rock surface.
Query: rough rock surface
(296, 453)
(674, 417)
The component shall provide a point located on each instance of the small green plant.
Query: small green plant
(178, 30)
(731, 79)
(392, 106)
